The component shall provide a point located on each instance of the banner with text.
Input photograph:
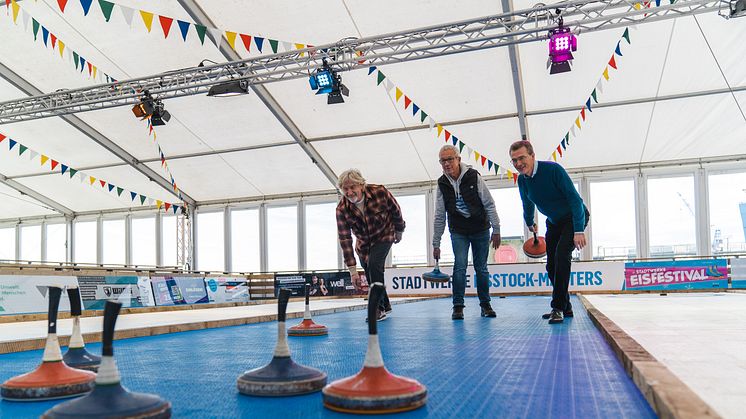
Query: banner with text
(738, 273)
(323, 284)
(20, 294)
(676, 275)
(171, 290)
(511, 278)
(227, 290)
(131, 291)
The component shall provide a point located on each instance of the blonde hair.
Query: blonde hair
(351, 175)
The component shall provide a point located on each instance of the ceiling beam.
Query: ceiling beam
(515, 69)
(25, 190)
(27, 88)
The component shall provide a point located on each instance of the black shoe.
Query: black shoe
(566, 313)
(381, 316)
(388, 310)
(487, 310)
(458, 313)
(555, 317)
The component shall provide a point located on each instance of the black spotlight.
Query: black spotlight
(231, 88)
(145, 108)
(160, 115)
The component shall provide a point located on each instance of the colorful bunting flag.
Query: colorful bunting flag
(147, 19)
(86, 6)
(166, 23)
(106, 8)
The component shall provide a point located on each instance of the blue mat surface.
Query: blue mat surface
(514, 366)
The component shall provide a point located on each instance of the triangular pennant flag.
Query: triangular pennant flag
(83, 177)
(90, 69)
(32, 154)
(600, 86)
(286, 46)
(21, 149)
(2, 137)
(217, 35)
(166, 23)
(389, 85)
(259, 42)
(657, 4)
(44, 159)
(35, 27)
(423, 115)
(588, 105)
(606, 73)
(91, 180)
(54, 164)
(119, 191)
(167, 206)
(461, 146)
(231, 37)
(489, 165)
(62, 47)
(106, 8)
(62, 4)
(44, 35)
(94, 71)
(201, 30)
(175, 207)
(300, 46)
(381, 77)
(398, 94)
(82, 64)
(86, 6)
(16, 8)
(142, 199)
(440, 129)
(158, 203)
(407, 101)
(128, 13)
(577, 122)
(454, 140)
(111, 187)
(582, 113)
(593, 95)
(371, 69)
(476, 156)
(273, 44)
(415, 109)
(76, 59)
(63, 169)
(246, 39)
(612, 62)
(102, 182)
(469, 151)
(150, 201)
(563, 144)
(484, 159)
(567, 138)
(430, 123)
(53, 39)
(618, 51)
(12, 144)
(559, 150)
(554, 155)
(184, 28)
(626, 30)
(72, 172)
(572, 130)
(448, 135)
(24, 16)
(147, 19)
(133, 194)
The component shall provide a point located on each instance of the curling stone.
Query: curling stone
(53, 379)
(282, 376)
(77, 356)
(436, 275)
(109, 399)
(374, 390)
(307, 327)
(536, 247)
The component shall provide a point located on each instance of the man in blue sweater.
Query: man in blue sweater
(545, 185)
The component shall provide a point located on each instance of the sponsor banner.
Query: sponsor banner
(511, 278)
(21, 294)
(227, 290)
(131, 291)
(170, 290)
(738, 273)
(295, 283)
(146, 291)
(676, 275)
(338, 284)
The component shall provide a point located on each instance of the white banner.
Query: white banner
(738, 273)
(511, 278)
(28, 293)
(227, 290)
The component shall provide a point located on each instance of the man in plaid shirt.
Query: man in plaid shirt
(373, 215)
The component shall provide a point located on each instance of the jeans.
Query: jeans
(560, 245)
(374, 269)
(480, 248)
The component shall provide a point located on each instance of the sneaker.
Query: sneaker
(487, 310)
(555, 317)
(566, 313)
(458, 313)
(388, 310)
(381, 316)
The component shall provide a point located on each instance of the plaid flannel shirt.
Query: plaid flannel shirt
(379, 224)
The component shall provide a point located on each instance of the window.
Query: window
(31, 243)
(114, 242)
(84, 238)
(542, 226)
(413, 248)
(8, 243)
(614, 225)
(210, 249)
(56, 243)
(510, 210)
(728, 212)
(143, 241)
(282, 238)
(321, 236)
(169, 240)
(671, 214)
(246, 256)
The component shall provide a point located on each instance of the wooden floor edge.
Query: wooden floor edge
(39, 343)
(668, 396)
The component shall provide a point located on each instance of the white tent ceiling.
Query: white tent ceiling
(221, 149)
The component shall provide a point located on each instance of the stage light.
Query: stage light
(145, 108)
(326, 81)
(737, 8)
(231, 88)
(562, 43)
(160, 115)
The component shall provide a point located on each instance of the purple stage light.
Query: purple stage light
(561, 45)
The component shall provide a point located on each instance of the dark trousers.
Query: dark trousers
(374, 269)
(560, 245)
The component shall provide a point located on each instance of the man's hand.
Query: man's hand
(354, 276)
(533, 229)
(436, 253)
(579, 240)
(495, 239)
(397, 236)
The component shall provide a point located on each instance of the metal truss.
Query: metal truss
(516, 27)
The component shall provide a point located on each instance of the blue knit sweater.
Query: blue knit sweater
(551, 190)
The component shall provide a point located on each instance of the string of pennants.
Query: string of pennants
(419, 113)
(164, 163)
(63, 169)
(587, 109)
(251, 43)
(50, 40)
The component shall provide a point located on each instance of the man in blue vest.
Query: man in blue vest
(546, 185)
(465, 198)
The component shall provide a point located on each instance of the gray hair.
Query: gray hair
(351, 175)
(449, 147)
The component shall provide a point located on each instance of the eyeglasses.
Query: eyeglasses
(447, 160)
